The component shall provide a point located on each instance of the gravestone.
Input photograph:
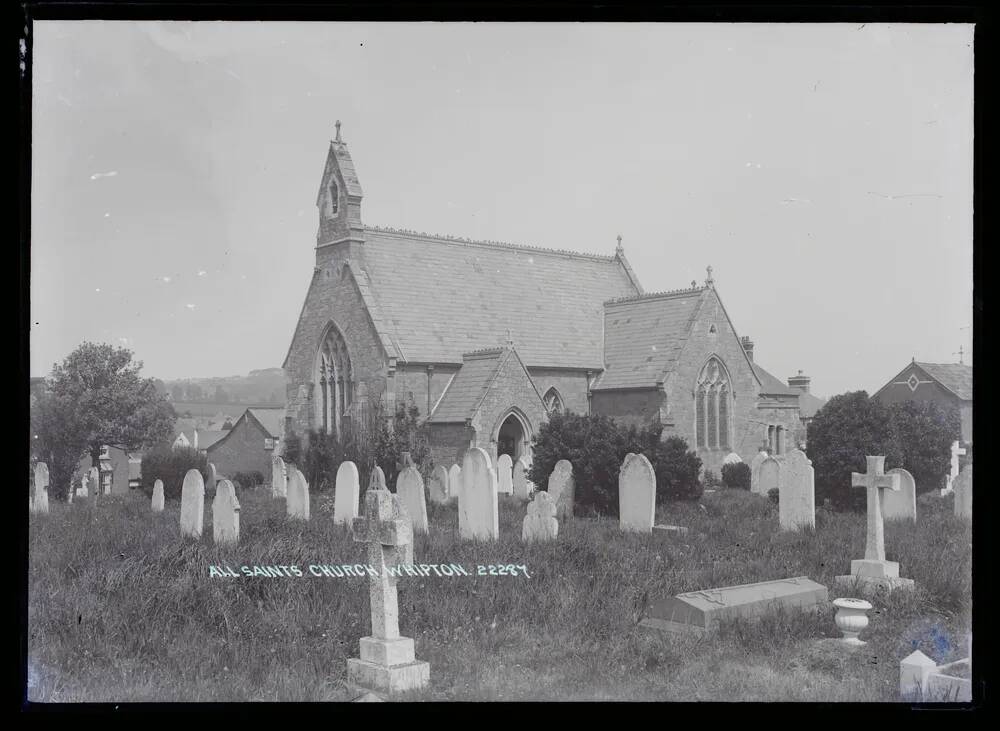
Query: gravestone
(478, 518)
(454, 482)
(387, 660)
(666, 531)
(519, 476)
(40, 497)
(346, 494)
(82, 491)
(192, 504)
(636, 494)
(952, 475)
(901, 505)
(213, 478)
(797, 493)
(699, 612)
(873, 573)
(437, 487)
(963, 493)
(562, 489)
(94, 482)
(377, 479)
(158, 502)
(732, 458)
(297, 502)
(279, 477)
(225, 514)
(540, 523)
(505, 475)
(769, 475)
(755, 464)
(410, 491)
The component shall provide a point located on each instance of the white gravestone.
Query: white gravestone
(82, 490)
(478, 518)
(94, 482)
(377, 479)
(279, 477)
(454, 482)
(755, 464)
(388, 662)
(540, 523)
(562, 489)
(225, 514)
(963, 493)
(158, 502)
(901, 505)
(347, 493)
(505, 475)
(950, 478)
(410, 491)
(438, 485)
(40, 498)
(797, 492)
(636, 494)
(212, 479)
(769, 475)
(192, 504)
(522, 485)
(297, 503)
(732, 458)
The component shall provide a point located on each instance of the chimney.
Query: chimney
(799, 382)
(747, 344)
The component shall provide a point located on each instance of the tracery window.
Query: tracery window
(334, 380)
(712, 394)
(553, 401)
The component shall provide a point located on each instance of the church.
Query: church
(487, 339)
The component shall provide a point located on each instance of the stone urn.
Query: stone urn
(851, 618)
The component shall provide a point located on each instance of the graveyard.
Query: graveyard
(123, 607)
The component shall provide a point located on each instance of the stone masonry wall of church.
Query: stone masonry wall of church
(411, 383)
(571, 385)
(332, 296)
(448, 443)
(510, 388)
(636, 407)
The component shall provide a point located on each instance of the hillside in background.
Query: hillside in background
(258, 388)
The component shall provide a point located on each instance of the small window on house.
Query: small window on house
(711, 329)
(268, 443)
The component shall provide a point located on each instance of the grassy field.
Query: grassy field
(122, 609)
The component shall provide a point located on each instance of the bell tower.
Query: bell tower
(339, 199)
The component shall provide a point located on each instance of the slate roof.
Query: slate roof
(273, 420)
(956, 377)
(466, 390)
(441, 297)
(644, 336)
(771, 386)
(208, 437)
(809, 405)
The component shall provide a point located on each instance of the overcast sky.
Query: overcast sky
(824, 171)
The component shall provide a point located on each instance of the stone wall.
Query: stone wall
(448, 442)
(571, 385)
(512, 388)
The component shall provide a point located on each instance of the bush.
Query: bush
(710, 479)
(843, 433)
(736, 475)
(247, 480)
(596, 446)
(926, 432)
(170, 465)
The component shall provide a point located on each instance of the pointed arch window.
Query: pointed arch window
(334, 198)
(713, 406)
(553, 401)
(335, 381)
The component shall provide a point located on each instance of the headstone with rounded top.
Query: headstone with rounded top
(454, 482)
(478, 517)
(732, 458)
(225, 514)
(636, 494)
(540, 522)
(192, 504)
(157, 502)
(901, 505)
(505, 475)
(279, 477)
(769, 475)
(410, 491)
(796, 492)
(346, 494)
(755, 463)
(562, 489)
(523, 487)
(437, 486)
(297, 503)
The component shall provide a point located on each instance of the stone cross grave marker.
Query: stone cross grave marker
(387, 661)
(636, 494)
(225, 514)
(562, 488)
(478, 518)
(158, 502)
(769, 476)
(505, 474)
(540, 523)
(40, 498)
(410, 491)
(755, 464)
(901, 505)
(297, 503)
(454, 482)
(963, 493)
(522, 485)
(797, 492)
(438, 485)
(347, 493)
(279, 477)
(950, 478)
(192, 504)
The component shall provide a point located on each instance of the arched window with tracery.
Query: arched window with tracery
(334, 381)
(553, 401)
(712, 407)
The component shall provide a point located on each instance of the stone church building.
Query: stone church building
(487, 338)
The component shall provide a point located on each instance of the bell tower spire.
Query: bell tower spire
(338, 201)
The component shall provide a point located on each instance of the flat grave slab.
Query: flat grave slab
(699, 612)
(670, 530)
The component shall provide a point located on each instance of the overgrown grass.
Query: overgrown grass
(122, 609)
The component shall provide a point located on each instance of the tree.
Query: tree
(926, 431)
(843, 433)
(98, 399)
(56, 440)
(171, 465)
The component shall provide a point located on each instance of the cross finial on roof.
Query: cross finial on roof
(619, 249)
(337, 125)
(510, 340)
(961, 354)
(708, 280)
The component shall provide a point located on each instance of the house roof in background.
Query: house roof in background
(771, 386)
(208, 437)
(956, 377)
(273, 420)
(809, 405)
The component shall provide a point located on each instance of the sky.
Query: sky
(824, 172)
